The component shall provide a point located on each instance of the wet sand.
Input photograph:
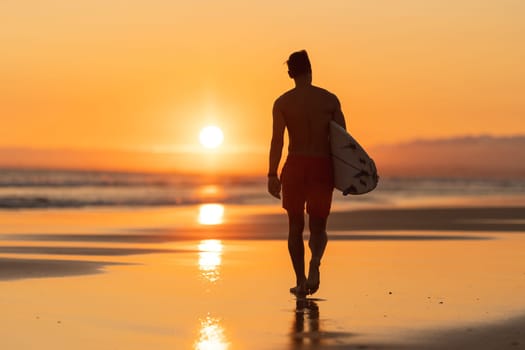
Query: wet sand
(17, 268)
(506, 334)
(405, 278)
(175, 224)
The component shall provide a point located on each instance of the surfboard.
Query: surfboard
(354, 171)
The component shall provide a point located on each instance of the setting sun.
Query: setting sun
(211, 136)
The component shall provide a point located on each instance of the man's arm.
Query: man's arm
(338, 117)
(276, 149)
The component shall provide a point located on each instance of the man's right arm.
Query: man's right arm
(276, 149)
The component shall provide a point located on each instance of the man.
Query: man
(307, 176)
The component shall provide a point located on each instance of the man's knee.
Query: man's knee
(317, 225)
(296, 223)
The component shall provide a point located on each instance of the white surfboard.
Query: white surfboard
(354, 171)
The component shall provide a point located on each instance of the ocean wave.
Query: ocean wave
(149, 196)
(43, 202)
(8, 203)
(71, 178)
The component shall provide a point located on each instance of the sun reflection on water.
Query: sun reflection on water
(211, 214)
(210, 192)
(211, 335)
(210, 251)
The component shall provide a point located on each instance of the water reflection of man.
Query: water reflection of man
(310, 309)
(307, 176)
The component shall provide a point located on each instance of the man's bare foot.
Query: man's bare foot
(312, 284)
(300, 290)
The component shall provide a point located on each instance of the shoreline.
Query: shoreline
(174, 224)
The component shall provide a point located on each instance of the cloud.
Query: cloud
(467, 156)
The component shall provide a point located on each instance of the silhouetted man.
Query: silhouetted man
(307, 175)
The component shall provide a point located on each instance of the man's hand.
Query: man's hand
(274, 186)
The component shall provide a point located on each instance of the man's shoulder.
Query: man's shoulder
(324, 92)
(319, 92)
(281, 99)
(285, 95)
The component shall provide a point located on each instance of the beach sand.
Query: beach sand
(217, 277)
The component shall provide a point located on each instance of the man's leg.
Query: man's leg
(296, 245)
(317, 244)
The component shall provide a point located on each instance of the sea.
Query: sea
(39, 189)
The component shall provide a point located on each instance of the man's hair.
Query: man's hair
(298, 64)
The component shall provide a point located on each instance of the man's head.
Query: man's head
(298, 64)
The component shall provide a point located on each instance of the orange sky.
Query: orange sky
(147, 75)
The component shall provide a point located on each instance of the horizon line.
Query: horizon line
(239, 149)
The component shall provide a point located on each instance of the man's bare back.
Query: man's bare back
(306, 112)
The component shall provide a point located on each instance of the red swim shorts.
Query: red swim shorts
(310, 180)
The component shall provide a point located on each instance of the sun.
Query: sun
(211, 136)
